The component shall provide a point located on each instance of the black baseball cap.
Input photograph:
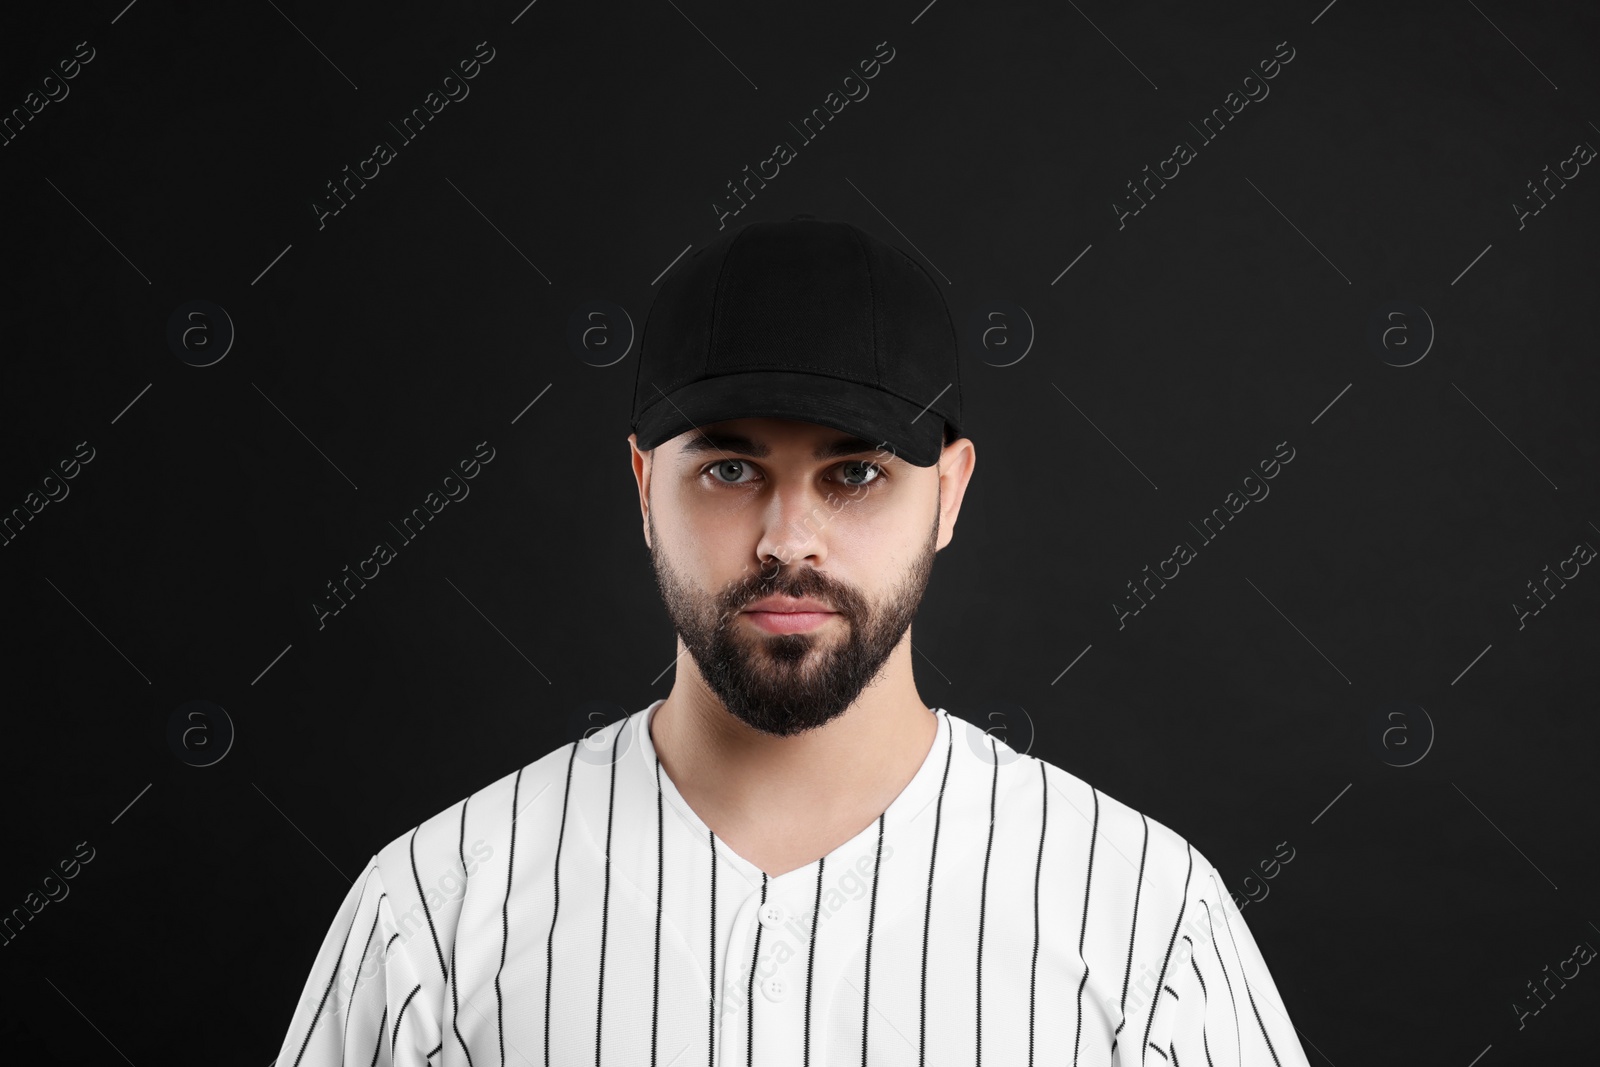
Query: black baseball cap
(807, 319)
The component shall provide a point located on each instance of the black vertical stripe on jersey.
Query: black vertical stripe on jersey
(1161, 979)
(436, 1050)
(377, 1046)
(872, 913)
(605, 902)
(1234, 1003)
(455, 1013)
(1038, 867)
(444, 972)
(455, 975)
(1149, 1044)
(1205, 1001)
(811, 957)
(376, 913)
(927, 913)
(750, 992)
(336, 965)
(394, 1040)
(505, 930)
(1088, 882)
(661, 881)
(1245, 978)
(555, 878)
(711, 1011)
(983, 897)
(1133, 930)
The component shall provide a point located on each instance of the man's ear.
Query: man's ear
(643, 463)
(956, 464)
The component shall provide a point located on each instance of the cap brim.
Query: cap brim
(912, 432)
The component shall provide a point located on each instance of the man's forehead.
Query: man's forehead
(757, 437)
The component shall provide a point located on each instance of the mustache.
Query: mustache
(798, 586)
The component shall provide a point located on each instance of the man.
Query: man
(791, 859)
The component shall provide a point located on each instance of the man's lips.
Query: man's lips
(788, 622)
(779, 614)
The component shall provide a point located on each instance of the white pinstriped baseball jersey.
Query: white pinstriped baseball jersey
(999, 912)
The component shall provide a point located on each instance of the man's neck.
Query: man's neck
(781, 802)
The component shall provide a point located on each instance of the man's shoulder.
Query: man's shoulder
(456, 840)
(1095, 818)
(425, 874)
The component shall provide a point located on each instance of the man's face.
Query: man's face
(744, 509)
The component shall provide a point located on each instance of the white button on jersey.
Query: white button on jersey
(771, 916)
(774, 988)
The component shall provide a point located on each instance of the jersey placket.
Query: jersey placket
(764, 1003)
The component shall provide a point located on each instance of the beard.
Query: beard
(786, 684)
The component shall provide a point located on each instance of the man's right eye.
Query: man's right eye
(739, 465)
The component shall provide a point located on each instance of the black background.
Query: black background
(1241, 707)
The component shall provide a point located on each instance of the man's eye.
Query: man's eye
(738, 466)
(870, 472)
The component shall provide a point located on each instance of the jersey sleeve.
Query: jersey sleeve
(1221, 1002)
(362, 1002)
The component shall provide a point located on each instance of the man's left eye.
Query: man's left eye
(862, 468)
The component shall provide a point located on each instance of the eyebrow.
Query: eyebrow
(729, 442)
